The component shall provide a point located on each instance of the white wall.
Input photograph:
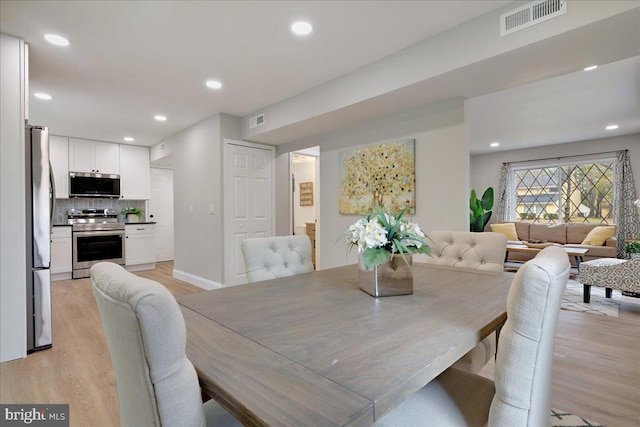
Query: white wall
(485, 168)
(442, 164)
(13, 304)
(197, 172)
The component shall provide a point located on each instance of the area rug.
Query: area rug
(563, 419)
(600, 305)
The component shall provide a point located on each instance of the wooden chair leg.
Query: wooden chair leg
(586, 296)
(607, 292)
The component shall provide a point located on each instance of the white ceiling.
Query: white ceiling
(131, 60)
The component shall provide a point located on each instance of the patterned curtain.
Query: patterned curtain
(624, 211)
(503, 207)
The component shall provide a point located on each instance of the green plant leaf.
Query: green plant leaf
(375, 256)
(487, 199)
(477, 224)
(472, 199)
(485, 219)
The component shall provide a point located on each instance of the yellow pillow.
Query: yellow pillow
(599, 235)
(508, 229)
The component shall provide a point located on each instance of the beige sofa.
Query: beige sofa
(570, 235)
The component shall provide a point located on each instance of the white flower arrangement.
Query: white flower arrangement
(636, 202)
(380, 235)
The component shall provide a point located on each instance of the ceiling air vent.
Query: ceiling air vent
(256, 121)
(531, 14)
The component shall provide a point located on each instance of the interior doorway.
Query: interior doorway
(161, 212)
(305, 198)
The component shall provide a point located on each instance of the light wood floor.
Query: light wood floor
(596, 371)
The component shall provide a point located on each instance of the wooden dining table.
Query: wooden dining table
(315, 350)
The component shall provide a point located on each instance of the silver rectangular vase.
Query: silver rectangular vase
(394, 277)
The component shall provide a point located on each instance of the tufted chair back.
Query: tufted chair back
(270, 257)
(156, 383)
(482, 251)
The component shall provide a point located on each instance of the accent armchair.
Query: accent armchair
(521, 393)
(279, 256)
(481, 251)
(156, 383)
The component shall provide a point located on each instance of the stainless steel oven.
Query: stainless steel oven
(97, 237)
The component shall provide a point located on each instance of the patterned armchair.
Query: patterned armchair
(611, 274)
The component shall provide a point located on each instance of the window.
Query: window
(577, 193)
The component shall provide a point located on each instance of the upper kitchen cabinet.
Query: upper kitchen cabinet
(59, 155)
(135, 172)
(93, 156)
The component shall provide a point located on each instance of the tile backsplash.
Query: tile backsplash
(63, 205)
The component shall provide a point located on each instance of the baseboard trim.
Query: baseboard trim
(196, 280)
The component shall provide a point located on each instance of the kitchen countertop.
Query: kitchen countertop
(139, 223)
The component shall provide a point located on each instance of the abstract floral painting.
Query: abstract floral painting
(382, 174)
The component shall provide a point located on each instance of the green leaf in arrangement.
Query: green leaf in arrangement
(375, 256)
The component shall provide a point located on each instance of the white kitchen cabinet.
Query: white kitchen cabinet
(59, 155)
(139, 246)
(135, 172)
(61, 253)
(94, 156)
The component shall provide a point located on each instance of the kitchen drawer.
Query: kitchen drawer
(61, 232)
(132, 229)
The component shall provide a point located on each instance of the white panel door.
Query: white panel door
(161, 211)
(249, 194)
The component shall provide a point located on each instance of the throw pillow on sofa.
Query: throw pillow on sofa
(508, 229)
(599, 235)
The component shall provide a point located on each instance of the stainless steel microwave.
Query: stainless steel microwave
(94, 185)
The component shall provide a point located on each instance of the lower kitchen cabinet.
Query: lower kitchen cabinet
(139, 247)
(61, 253)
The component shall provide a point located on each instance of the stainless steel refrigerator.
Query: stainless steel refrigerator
(40, 195)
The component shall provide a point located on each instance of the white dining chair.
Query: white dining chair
(480, 251)
(521, 393)
(155, 382)
(278, 256)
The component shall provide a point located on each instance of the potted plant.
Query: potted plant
(632, 248)
(480, 209)
(385, 244)
(132, 214)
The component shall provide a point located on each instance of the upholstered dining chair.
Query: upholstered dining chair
(481, 251)
(155, 382)
(278, 256)
(521, 393)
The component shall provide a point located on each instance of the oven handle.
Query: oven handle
(98, 233)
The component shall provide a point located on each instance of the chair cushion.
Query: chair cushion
(279, 256)
(507, 228)
(455, 398)
(482, 251)
(525, 349)
(599, 235)
(156, 383)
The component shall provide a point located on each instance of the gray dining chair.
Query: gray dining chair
(278, 256)
(155, 382)
(480, 251)
(521, 393)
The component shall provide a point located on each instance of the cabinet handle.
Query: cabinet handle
(140, 229)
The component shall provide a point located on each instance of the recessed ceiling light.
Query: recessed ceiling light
(44, 96)
(56, 39)
(612, 127)
(129, 139)
(214, 84)
(494, 144)
(160, 118)
(591, 67)
(301, 28)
